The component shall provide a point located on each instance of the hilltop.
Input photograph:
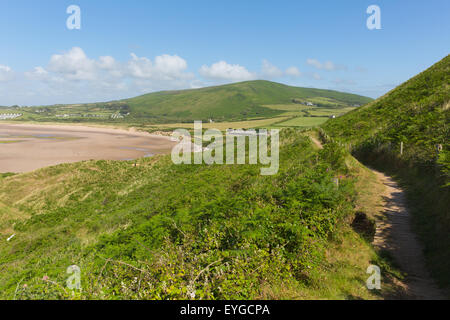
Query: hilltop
(232, 101)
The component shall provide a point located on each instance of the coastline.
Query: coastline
(85, 127)
(27, 147)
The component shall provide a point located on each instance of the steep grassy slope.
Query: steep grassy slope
(161, 231)
(233, 101)
(417, 114)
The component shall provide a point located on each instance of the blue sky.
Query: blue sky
(126, 48)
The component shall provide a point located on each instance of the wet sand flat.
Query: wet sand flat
(27, 147)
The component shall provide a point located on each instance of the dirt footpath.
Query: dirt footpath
(395, 235)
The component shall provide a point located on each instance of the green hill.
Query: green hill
(417, 115)
(235, 101)
(251, 100)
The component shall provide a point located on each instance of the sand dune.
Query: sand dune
(27, 147)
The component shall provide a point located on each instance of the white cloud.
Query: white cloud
(38, 73)
(315, 63)
(140, 67)
(5, 68)
(164, 73)
(73, 65)
(293, 72)
(327, 65)
(73, 76)
(270, 71)
(223, 71)
(167, 64)
(165, 67)
(6, 73)
(107, 62)
(111, 66)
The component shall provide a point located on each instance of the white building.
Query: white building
(6, 116)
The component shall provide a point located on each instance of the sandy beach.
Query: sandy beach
(27, 147)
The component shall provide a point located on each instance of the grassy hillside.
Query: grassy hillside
(417, 114)
(162, 231)
(233, 102)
